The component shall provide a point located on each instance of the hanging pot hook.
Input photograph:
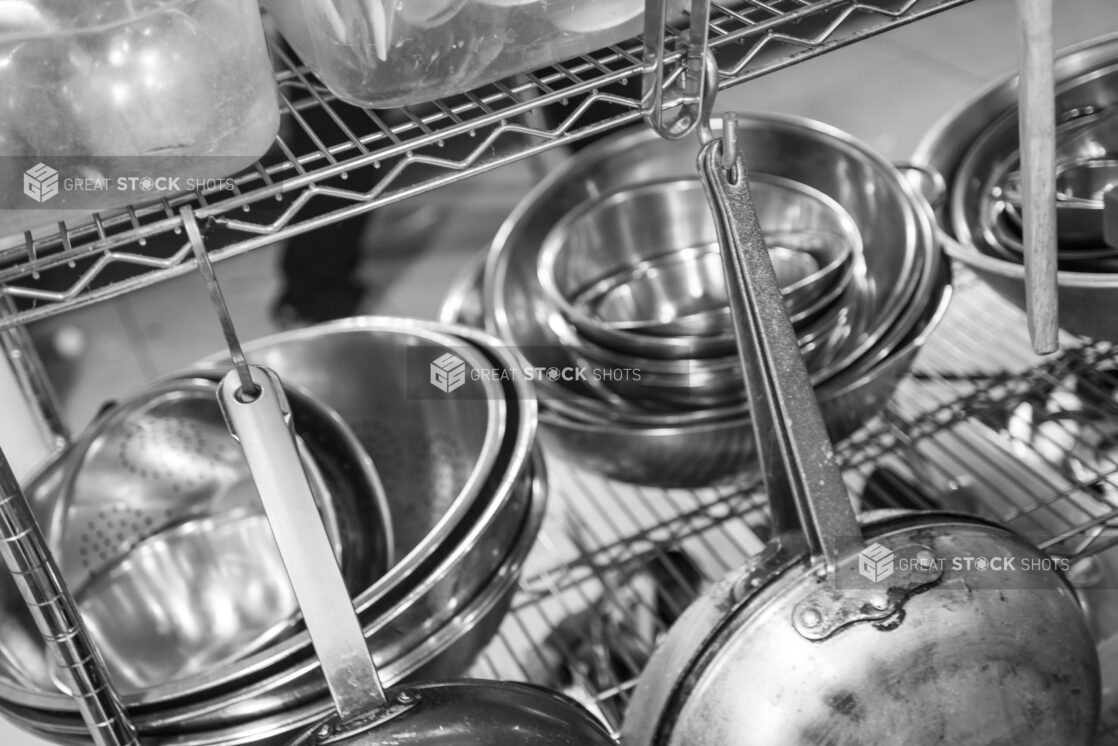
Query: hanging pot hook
(690, 88)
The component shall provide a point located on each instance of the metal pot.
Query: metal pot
(849, 636)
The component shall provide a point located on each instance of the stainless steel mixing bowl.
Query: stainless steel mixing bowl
(1087, 79)
(432, 625)
(685, 451)
(902, 276)
(451, 648)
(623, 238)
(435, 455)
(895, 235)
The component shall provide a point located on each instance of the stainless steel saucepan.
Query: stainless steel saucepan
(847, 633)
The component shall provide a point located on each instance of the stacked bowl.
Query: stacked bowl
(450, 474)
(634, 280)
(607, 278)
(975, 150)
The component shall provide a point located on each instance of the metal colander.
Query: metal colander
(151, 461)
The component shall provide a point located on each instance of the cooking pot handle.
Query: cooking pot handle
(805, 486)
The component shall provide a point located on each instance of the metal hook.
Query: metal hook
(249, 389)
(689, 97)
(707, 92)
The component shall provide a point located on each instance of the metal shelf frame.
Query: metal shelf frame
(399, 153)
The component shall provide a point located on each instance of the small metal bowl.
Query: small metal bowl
(1080, 188)
(637, 270)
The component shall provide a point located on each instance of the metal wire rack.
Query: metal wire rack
(982, 425)
(333, 161)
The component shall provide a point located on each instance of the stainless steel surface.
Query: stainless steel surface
(451, 523)
(897, 237)
(446, 651)
(158, 460)
(1085, 81)
(217, 578)
(469, 713)
(446, 712)
(612, 237)
(260, 419)
(958, 674)
(752, 37)
(432, 619)
(57, 620)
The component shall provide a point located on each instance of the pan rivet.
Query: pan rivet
(405, 698)
(810, 618)
(324, 731)
(925, 559)
(879, 602)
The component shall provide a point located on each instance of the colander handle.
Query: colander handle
(262, 425)
(805, 486)
(56, 616)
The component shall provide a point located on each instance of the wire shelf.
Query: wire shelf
(351, 161)
(982, 425)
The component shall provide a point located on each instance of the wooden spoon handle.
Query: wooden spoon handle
(1038, 170)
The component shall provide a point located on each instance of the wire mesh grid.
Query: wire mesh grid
(333, 161)
(982, 425)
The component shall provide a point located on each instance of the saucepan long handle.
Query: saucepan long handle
(805, 486)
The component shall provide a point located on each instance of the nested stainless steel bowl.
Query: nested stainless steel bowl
(434, 610)
(1086, 80)
(684, 450)
(450, 648)
(902, 279)
(637, 270)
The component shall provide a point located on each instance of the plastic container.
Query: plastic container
(180, 92)
(385, 53)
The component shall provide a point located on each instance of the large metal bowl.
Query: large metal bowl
(1086, 76)
(895, 235)
(454, 518)
(447, 651)
(704, 453)
(903, 273)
